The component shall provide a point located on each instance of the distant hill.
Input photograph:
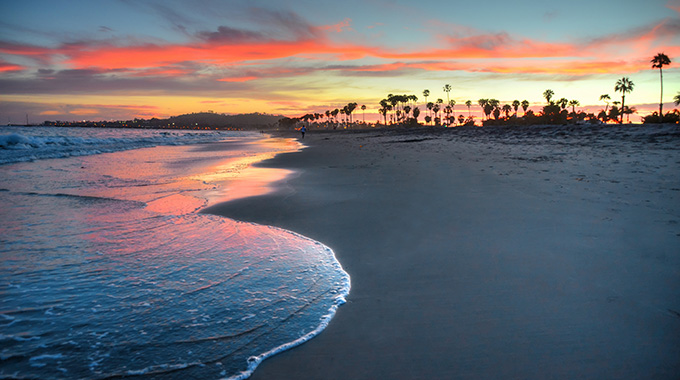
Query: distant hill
(201, 120)
(246, 121)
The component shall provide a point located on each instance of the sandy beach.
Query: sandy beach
(525, 253)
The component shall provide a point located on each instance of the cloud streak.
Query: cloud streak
(245, 58)
(232, 46)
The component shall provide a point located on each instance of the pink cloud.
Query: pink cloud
(7, 67)
(238, 79)
(339, 27)
(673, 7)
(466, 49)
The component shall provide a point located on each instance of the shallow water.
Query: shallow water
(108, 270)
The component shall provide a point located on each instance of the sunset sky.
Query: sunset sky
(100, 60)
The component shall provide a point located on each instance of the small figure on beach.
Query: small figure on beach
(303, 130)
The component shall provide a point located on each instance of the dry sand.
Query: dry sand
(525, 253)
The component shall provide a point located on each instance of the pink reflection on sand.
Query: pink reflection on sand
(237, 179)
(171, 180)
(182, 180)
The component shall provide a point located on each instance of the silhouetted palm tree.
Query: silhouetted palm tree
(495, 107)
(350, 108)
(676, 99)
(363, 109)
(548, 94)
(515, 105)
(447, 89)
(394, 101)
(483, 103)
(606, 99)
(574, 104)
(563, 103)
(623, 85)
(468, 103)
(435, 109)
(447, 111)
(525, 106)
(629, 111)
(658, 62)
(507, 108)
(426, 93)
(412, 98)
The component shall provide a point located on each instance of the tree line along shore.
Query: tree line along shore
(403, 110)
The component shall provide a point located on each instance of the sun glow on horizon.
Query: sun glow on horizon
(276, 60)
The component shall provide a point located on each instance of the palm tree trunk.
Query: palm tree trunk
(623, 106)
(661, 100)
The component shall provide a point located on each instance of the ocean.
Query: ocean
(108, 269)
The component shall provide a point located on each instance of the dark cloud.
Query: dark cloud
(225, 34)
(277, 25)
(71, 82)
(288, 23)
(483, 41)
(165, 10)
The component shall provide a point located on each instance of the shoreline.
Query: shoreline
(534, 255)
(87, 230)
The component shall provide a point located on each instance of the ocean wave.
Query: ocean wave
(185, 295)
(30, 144)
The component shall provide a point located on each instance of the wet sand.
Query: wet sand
(526, 253)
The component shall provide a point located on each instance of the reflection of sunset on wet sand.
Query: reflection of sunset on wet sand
(178, 180)
(238, 178)
(109, 270)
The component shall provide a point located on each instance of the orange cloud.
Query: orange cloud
(50, 112)
(84, 111)
(470, 50)
(238, 79)
(144, 56)
(571, 68)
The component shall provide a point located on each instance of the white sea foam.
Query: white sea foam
(46, 356)
(215, 296)
(38, 361)
(340, 299)
(17, 338)
(20, 144)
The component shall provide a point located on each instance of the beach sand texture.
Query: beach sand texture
(527, 253)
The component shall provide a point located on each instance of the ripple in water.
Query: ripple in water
(99, 287)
